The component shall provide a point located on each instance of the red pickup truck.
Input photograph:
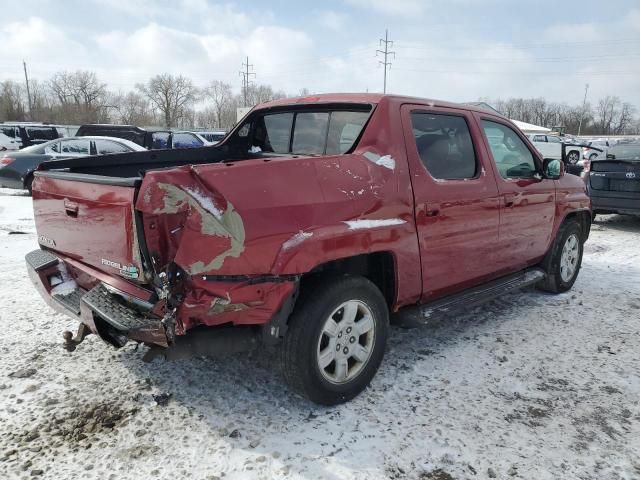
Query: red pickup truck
(312, 225)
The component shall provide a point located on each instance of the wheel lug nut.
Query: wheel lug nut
(338, 348)
(345, 351)
(352, 340)
(339, 334)
(348, 329)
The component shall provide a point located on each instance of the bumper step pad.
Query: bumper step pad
(107, 306)
(71, 301)
(41, 259)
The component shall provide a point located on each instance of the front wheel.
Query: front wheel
(564, 260)
(573, 157)
(336, 339)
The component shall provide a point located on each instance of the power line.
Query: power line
(246, 74)
(387, 43)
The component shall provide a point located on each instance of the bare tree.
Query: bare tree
(81, 96)
(132, 108)
(221, 96)
(12, 101)
(171, 96)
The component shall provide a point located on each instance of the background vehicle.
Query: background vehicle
(16, 168)
(614, 182)
(550, 146)
(306, 226)
(8, 143)
(150, 138)
(591, 154)
(213, 136)
(27, 134)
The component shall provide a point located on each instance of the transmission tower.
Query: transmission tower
(246, 74)
(385, 63)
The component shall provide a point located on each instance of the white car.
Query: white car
(589, 153)
(8, 143)
(550, 146)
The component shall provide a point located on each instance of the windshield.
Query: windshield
(306, 132)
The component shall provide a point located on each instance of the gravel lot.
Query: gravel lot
(530, 386)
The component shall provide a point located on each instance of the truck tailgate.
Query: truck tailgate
(90, 219)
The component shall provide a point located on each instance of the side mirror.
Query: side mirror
(552, 168)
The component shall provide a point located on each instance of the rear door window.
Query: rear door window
(75, 147)
(104, 147)
(9, 132)
(52, 148)
(444, 145)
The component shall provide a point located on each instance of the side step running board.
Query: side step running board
(417, 315)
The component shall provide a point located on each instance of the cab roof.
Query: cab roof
(369, 98)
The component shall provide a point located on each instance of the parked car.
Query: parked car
(149, 138)
(600, 150)
(550, 146)
(213, 136)
(16, 168)
(614, 182)
(8, 143)
(310, 225)
(28, 134)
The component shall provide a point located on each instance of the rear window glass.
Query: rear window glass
(307, 132)
(42, 133)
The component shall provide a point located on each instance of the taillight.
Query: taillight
(4, 161)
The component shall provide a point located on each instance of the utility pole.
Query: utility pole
(387, 43)
(26, 79)
(584, 103)
(245, 78)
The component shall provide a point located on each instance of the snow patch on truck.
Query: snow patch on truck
(364, 224)
(385, 161)
(204, 201)
(214, 222)
(296, 240)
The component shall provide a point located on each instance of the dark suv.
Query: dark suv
(27, 134)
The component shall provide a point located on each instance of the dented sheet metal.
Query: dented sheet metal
(217, 303)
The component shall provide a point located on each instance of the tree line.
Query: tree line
(79, 97)
(608, 116)
(75, 98)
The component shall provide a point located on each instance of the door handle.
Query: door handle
(432, 209)
(509, 200)
(71, 208)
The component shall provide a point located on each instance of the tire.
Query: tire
(311, 358)
(564, 260)
(28, 183)
(573, 157)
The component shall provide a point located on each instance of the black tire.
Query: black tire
(573, 157)
(302, 342)
(28, 183)
(554, 281)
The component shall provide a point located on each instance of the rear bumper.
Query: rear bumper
(614, 202)
(9, 178)
(112, 314)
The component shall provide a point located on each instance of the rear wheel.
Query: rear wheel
(564, 260)
(336, 339)
(28, 183)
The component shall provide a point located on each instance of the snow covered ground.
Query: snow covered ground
(531, 386)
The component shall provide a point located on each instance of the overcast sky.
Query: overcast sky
(453, 50)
